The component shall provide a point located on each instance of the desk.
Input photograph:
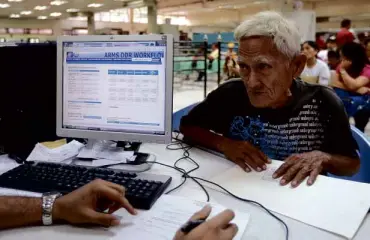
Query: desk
(261, 225)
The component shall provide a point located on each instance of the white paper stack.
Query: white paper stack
(167, 216)
(59, 154)
(331, 204)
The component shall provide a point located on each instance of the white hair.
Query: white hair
(271, 24)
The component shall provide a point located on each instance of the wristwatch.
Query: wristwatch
(48, 200)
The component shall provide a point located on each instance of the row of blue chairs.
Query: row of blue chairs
(363, 143)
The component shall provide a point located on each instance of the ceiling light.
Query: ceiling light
(42, 17)
(4, 5)
(15, 0)
(55, 14)
(73, 10)
(57, 2)
(95, 5)
(41, 8)
(26, 12)
(15, 16)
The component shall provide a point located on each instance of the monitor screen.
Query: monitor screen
(114, 86)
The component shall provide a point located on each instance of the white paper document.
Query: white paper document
(67, 151)
(17, 193)
(167, 216)
(331, 204)
(105, 150)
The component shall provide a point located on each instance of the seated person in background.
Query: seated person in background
(367, 47)
(85, 206)
(331, 45)
(211, 57)
(269, 114)
(316, 70)
(333, 60)
(231, 67)
(352, 82)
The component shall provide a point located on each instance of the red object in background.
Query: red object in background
(344, 36)
(321, 43)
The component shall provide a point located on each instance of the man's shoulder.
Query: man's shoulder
(233, 86)
(323, 93)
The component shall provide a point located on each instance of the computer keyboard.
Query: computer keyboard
(142, 189)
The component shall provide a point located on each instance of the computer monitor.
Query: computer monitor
(115, 87)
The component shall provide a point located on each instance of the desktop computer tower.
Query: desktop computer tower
(27, 97)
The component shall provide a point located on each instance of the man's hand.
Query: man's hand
(245, 155)
(87, 204)
(298, 166)
(217, 228)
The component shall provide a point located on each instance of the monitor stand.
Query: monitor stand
(129, 146)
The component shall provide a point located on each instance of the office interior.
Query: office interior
(30, 104)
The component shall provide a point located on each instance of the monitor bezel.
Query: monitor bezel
(117, 136)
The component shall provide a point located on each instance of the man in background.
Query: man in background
(344, 35)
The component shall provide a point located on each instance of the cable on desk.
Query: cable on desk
(249, 201)
(186, 156)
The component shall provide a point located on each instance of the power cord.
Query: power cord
(180, 145)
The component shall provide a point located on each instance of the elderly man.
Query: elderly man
(270, 114)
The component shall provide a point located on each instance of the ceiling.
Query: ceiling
(29, 5)
(334, 9)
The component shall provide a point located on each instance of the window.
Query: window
(140, 15)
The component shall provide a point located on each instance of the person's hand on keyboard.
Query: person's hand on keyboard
(216, 228)
(86, 204)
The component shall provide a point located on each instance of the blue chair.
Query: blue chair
(364, 151)
(176, 117)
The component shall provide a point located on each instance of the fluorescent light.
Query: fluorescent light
(58, 2)
(95, 5)
(15, 0)
(73, 10)
(15, 16)
(4, 5)
(26, 12)
(42, 17)
(55, 14)
(41, 8)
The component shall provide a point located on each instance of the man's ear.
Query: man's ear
(298, 64)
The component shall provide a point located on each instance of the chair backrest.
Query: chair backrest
(176, 117)
(364, 150)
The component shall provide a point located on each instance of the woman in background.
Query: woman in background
(316, 70)
(352, 82)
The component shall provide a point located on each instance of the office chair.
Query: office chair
(364, 151)
(176, 117)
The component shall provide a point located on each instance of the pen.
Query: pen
(189, 226)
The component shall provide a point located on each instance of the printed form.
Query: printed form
(167, 216)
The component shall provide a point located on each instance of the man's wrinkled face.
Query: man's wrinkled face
(265, 71)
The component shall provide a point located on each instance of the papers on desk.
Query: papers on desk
(105, 153)
(167, 215)
(334, 205)
(18, 193)
(59, 154)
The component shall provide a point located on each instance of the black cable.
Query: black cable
(249, 201)
(186, 156)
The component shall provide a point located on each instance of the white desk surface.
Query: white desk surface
(261, 226)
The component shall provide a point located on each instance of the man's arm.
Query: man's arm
(352, 83)
(203, 137)
(20, 211)
(78, 207)
(342, 165)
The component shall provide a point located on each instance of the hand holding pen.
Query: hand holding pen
(216, 228)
